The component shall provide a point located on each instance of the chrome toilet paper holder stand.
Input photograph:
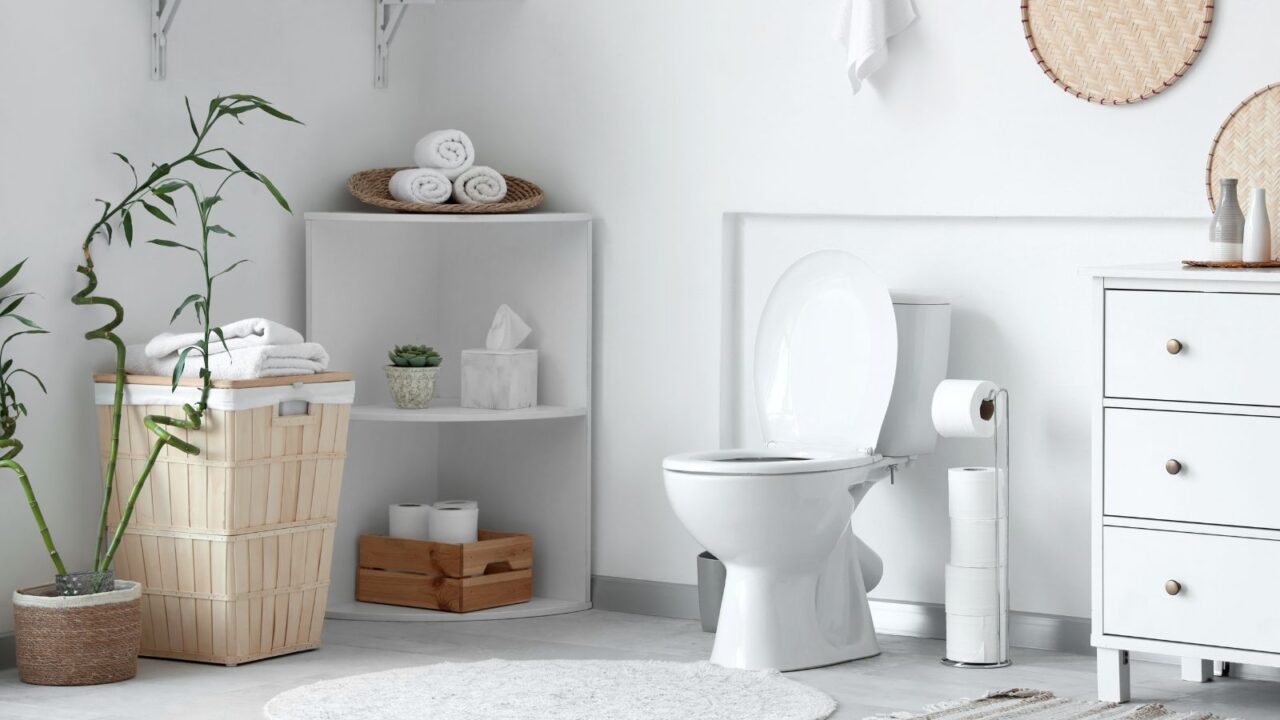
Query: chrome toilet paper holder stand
(996, 407)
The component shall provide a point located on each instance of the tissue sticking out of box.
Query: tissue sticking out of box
(507, 331)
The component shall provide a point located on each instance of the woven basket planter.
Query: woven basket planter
(371, 187)
(78, 640)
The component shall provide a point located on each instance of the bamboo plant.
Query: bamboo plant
(156, 197)
(12, 409)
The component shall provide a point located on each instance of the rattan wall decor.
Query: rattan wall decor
(1115, 52)
(1247, 147)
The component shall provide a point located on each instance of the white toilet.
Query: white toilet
(844, 376)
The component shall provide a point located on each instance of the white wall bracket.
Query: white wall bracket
(162, 12)
(386, 20)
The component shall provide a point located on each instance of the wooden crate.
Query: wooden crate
(233, 546)
(495, 571)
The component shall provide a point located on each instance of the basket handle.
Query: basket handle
(282, 415)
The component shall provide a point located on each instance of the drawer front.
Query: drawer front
(1230, 346)
(1192, 467)
(1226, 593)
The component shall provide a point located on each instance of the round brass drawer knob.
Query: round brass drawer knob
(1173, 587)
(1173, 346)
(1173, 467)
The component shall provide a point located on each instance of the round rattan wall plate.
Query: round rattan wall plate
(371, 187)
(1115, 52)
(1247, 147)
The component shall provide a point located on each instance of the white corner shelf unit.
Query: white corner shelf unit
(375, 280)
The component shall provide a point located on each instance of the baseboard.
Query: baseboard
(892, 617)
(8, 654)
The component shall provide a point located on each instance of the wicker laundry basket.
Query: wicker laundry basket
(232, 546)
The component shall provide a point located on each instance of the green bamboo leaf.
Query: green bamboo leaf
(268, 109)
(190, 117)
(272, 189)
(170, 186)
(167, 200)
(33, 376)
(209, 202)
(229, 268)
(123, 159)
(5, 367)
(18, 301)
(190, 299)
(156, 212)
(218, 331)
(209, 164)
(182, 365)
(158, 172)
(172, 244)
(243, 168)
(26, 322)
(127, 224)
(221, 230)
(11, 273)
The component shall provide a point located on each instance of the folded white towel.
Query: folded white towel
(250, 332)
(421, 185)
(242, 364)
(449, 151)
(479, 185)
(864, 28)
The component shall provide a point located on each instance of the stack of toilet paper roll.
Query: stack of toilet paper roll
(977, 576)
(447, 521)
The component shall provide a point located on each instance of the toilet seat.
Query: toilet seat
(774, 461)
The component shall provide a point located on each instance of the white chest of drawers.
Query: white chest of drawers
(1186, 469)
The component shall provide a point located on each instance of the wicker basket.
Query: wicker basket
(233, 546)
(371, 187)
(79, 640)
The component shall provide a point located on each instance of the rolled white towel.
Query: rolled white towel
(479, 185)
(249, 332)
(449, 151)
(245, 363)
(420, 185)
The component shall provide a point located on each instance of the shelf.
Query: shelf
(448, 411)
(537, 607)
(393, 217)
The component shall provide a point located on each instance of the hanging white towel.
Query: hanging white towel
(449, 151)
(243, 364)
(864, 28)
(479, 185)
(420, 185)
(250, 332)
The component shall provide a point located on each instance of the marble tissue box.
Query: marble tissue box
(500, 379)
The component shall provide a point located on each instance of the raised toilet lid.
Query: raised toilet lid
(826, 353)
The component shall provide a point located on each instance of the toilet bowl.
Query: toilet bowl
(827, 372)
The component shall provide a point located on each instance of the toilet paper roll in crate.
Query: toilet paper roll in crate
(409, 520)
(454, 521)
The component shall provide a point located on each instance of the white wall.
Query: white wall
(76, 83)
(658, 117)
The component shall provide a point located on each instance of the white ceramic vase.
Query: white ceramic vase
(411, 387)
(1257, 229)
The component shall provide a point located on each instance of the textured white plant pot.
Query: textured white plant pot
(499, 379)
(411, 387)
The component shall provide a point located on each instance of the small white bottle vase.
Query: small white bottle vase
(1226, 231)
(1257, 229)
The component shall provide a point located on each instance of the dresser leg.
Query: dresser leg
(1196, 670)
(1113, 675)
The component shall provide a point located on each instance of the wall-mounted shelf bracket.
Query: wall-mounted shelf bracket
(162, 12)
(387, 17)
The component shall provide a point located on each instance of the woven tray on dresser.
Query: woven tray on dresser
(371, 187)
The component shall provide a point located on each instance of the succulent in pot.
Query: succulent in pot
(411, 376)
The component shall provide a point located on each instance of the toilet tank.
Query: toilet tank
(924, 340)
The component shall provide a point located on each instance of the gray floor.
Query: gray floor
(905, 677)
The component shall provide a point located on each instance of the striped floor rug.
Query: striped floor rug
(1041, 705)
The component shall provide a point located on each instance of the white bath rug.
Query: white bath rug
(556, 690)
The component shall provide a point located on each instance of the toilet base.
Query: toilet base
(796, 620)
